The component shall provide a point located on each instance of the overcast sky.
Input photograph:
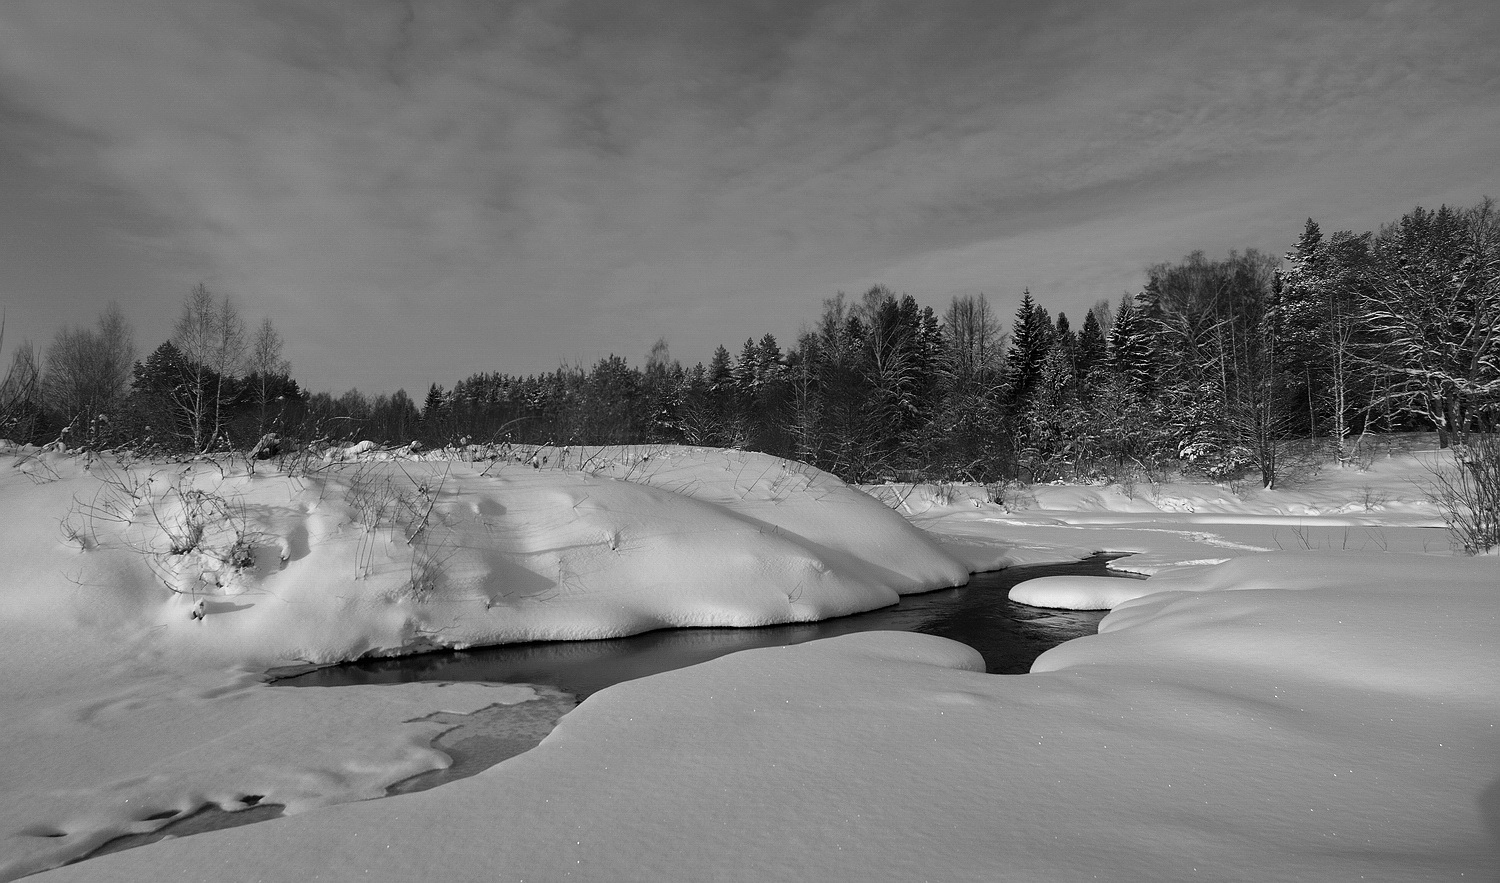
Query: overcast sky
(414, 192)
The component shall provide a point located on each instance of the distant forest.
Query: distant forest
(1221, 366)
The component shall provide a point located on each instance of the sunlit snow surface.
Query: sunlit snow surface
(1334, 717)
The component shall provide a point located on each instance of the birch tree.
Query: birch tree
(211, 337)
(267, 372)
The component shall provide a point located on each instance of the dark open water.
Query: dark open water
(1009, 635)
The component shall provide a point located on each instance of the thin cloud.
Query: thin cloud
(417, 191)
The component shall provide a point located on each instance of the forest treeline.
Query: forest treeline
(1220, 365)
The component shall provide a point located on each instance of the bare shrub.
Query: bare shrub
(1468, 494)
(204, 537)
(1373, 499)
(1012, 496)
(387, 502)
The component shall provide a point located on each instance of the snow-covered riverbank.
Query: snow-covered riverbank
(1332, 718)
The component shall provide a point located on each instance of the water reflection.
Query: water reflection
(1009, 636)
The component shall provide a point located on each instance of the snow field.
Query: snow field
(1261, 733)
(122, 709)
(1294, 700)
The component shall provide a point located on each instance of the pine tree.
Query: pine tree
(1030, 342)
(1132, 355)
(611, 404)
(722, 421)
(1316, 306)
(437, 429)
(720, 369)
(1091, 349)
(166, 391)
(746, 373)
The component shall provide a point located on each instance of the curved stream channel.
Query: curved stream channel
(1009, 636)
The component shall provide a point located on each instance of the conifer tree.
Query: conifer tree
(162, 399)
(720, 369)
(1091, 349)
(1030, 341)
(1132, 355)
(437, 426)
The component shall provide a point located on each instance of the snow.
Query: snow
(397, 555)
(1303, 690)
(121, 704)
(1381, 507)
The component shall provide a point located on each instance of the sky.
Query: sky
(417, 191)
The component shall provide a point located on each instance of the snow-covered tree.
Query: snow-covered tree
(1030, 341)
(1208, 321)
(1132, 351)
(1091, 350)
(1433, 306)
(1316, 306)
(967, 427)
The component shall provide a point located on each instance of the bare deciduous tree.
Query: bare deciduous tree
(267, 370)
(88, 370)
(20, 392)
(211, 337)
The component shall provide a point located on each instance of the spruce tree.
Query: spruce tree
(1091, 349)
(161, 397)
(1030, 342)
(1132, 354)
(436, 425)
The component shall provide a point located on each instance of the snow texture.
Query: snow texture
(1320, 704)
(142, 602)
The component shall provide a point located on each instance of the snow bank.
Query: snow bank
(121, 709)
(1382, 507)
(98, 755)
(1262, 733)
(388, 556)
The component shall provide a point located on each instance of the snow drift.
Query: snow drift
(381, 554)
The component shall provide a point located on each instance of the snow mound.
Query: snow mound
(1078, 592)
(376, 553)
